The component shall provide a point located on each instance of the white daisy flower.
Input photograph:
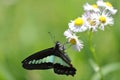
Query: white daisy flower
(103, 20)
(91, 21)
(88, 7)
(108, 6)
(92, 24)
(73, 40)
(78, 25)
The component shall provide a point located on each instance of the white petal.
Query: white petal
(113, 11)
(68, 33)
(100, 3)
(102, 27)
(87, 7)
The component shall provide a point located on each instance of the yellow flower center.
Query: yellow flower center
(91, 22)
(73, 41)
(108, 4)
(94, 6)
(79, 22)
(102, 19)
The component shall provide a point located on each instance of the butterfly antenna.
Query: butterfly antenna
(67, 43)
(52, 37)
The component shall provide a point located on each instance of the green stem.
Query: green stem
(92, 49)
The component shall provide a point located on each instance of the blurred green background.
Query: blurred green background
(24, 27)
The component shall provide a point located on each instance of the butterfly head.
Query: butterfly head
(59, 46)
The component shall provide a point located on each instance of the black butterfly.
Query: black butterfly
(52, 58)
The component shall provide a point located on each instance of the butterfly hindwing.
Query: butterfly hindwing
(64, 70)
(61, 67)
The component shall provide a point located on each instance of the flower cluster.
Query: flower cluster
(96, 16)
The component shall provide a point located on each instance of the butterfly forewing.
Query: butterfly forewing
(39, 55)
(39, 60)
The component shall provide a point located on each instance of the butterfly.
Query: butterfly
(52, 58)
